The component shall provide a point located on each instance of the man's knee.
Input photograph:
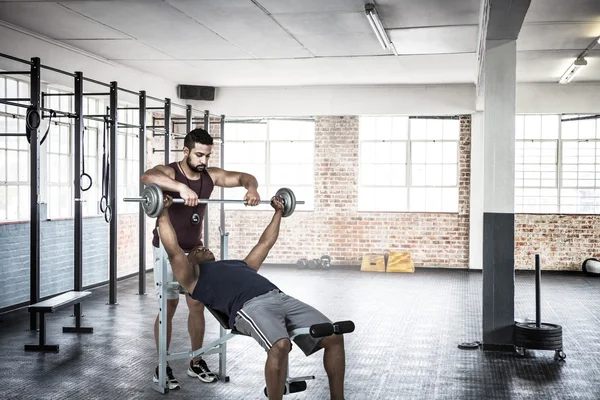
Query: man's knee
(280, 348)
(332, 341)
(194, 306)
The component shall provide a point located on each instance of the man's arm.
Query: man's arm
(164, 177)
(267, 240)
(183, 272)
(230, 179)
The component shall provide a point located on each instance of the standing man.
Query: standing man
(191, 179)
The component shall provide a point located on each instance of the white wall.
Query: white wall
(554, 98)
(395, 99)
(342, 100)
(19, 43)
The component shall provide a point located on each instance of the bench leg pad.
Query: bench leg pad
(74, 329)
(45, 347)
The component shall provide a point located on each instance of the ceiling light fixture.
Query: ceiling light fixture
(572, 70)
(577, 64)
(373, 17)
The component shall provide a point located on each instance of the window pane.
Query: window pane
(245, 152)
(130, 149)
(12, 166)
(569, 129)
(418, 152)
(533, 127)
(450, 150)
(434, 175)
(3, 201)
(384, 128)
(12, 91)
(398, 152)
(2, 165)
(367, 174)
(65, 169)
(435, 129)
(434, 152)
(449, 177)
(418, 129)
(519, 126)
(382, 199)
(399, 128)
(366, 128)
(65, 144)
(550, 124)
(23, 166)
(418, 176)
(285, 174)
(291, 130)
(451, 129)
(398, 174)
(12, 126)
(587, 129)
(291, 152)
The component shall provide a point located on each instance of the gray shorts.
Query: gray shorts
(269, 317)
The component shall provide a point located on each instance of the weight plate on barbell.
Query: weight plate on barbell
(289, 201)
(153, 206)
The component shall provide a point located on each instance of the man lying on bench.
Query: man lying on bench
(255, 306)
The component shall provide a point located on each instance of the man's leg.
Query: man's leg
(276, 368)
(171, 308)
(172, 301)
(334, 361)
(263, 319)
(302, 315)
(196, 323)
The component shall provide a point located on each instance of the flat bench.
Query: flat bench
(51, 305)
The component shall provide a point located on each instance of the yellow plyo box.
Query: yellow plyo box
(400, 261)
(373, 263)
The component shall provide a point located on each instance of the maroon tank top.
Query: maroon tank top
(188, 234)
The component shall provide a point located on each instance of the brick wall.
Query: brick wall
(335, 227)
(562, 241)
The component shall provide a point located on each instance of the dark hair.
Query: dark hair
(198, 135)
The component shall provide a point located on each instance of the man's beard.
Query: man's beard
(196, 168)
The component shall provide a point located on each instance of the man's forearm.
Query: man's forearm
(248, 181)
(167, 235)
(164, 181)
(271, 233)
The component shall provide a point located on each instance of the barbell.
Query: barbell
(152, 200)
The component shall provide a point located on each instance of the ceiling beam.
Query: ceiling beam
(498, 20)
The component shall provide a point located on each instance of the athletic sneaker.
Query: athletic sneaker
(172, 383)
(199, 369)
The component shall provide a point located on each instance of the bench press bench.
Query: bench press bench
(51, 305)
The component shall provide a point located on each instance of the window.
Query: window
(557, 164)
(279, 153)
(580, 159)
(408, 164)
(536, 163)
(128, 174)
(14, 154)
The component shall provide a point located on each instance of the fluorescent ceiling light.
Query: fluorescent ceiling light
(378, 28)
(578, 63)
(572, 70)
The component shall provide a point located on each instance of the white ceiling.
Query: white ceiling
(310, 42)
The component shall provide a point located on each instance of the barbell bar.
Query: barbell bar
(152, 200)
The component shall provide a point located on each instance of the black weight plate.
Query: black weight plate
(530, 326)
(540, 345)
(535, 335)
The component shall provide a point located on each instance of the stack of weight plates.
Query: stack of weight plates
(545, 337)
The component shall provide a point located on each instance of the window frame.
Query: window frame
(408, 179)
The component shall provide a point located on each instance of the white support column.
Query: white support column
(476, 201)
(498, 194)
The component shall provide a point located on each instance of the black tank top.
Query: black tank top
(226, 285)
(188, 234)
